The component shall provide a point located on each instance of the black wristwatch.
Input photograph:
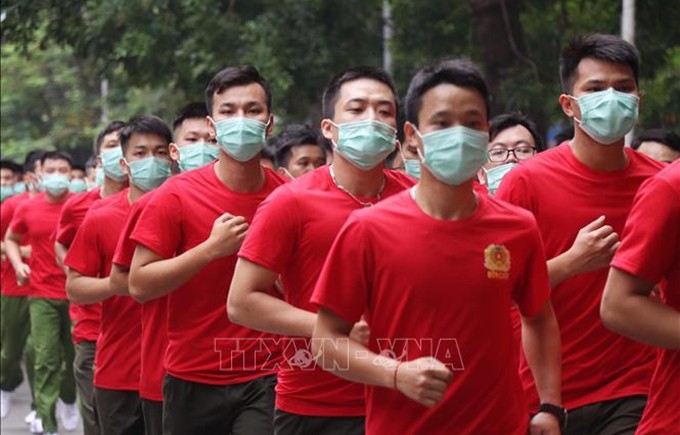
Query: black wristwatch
(557, 411)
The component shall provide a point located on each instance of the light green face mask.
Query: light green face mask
(494, 176)
(607, 116)
(197, 155)
(111, 164)
(241, 138)
(412, 167)
(149, 173)
(365, 143)
(19, 188)
(55, 184)
(6, 192)
(99, 176)
(77, 185)
(455, 154)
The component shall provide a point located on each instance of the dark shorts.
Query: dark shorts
(294, 424)
(118, 412)
(153, 417)
(612, 417)
(190, 408)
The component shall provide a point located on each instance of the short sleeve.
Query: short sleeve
(84, 255)
(273, 234)
(516, 189)
(650, 242)
(344, 284)
(18, 224)
(67, 227)
(125, 248)
(532, 289)
(159, 226)
(7, 210)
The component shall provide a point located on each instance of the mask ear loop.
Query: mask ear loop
(572, 98)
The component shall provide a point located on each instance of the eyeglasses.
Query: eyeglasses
(522, 152)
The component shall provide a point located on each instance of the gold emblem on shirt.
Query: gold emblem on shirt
(497, 262)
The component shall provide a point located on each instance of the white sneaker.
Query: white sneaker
(5, 403)
(36, 426)
(30, 417)
(69, 415)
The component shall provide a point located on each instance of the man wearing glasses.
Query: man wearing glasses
(512, 138)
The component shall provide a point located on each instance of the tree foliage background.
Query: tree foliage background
(159, 54)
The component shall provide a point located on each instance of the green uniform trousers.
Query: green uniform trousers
(54, 354)
(15, 325)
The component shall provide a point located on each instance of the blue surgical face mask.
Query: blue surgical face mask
(111, 164)
(149, 173)
(77, 185)
(6, 192)
(365, 143)
(412, 167)
(55, 184)
(99, 176)
(494, 176)
(241, 138)
(455, 154)
(607, 116)
(197, 155)
(19, 188)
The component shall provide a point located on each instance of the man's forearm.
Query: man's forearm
(263, 312)
(541, 339)
(159, 278)
(118, 280)
(560, 269)
(13, 252)
(627, 310)
(87, 290)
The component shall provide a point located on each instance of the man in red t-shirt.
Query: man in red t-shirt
(14, 318)
(193, 147)
(144, 143)
(650, 254)
(441, 348)
(86, 318)
(302, 218)
(50, 323)
(581, 193)
(220, 376)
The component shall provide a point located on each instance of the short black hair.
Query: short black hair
(459, 72)
(661, 135)
(195, 110)
(56, 155)
(268, 153)
(12, 166)
(110, 128)
(77, 167)
(91, 162)
(236, 76)
(294, 135)
(32, 157)
(330, 94)
(609, 48)
(509, 120)
(144, 124)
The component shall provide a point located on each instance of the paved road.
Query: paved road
(14, 423)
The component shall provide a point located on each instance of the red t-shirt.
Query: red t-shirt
(203, 346)
(37, 218)
(8, 279)
(650, 249)
(154, 313)
(118, 345)
(303, 217)
(444, 292)
(565, 195)
(86, 317)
